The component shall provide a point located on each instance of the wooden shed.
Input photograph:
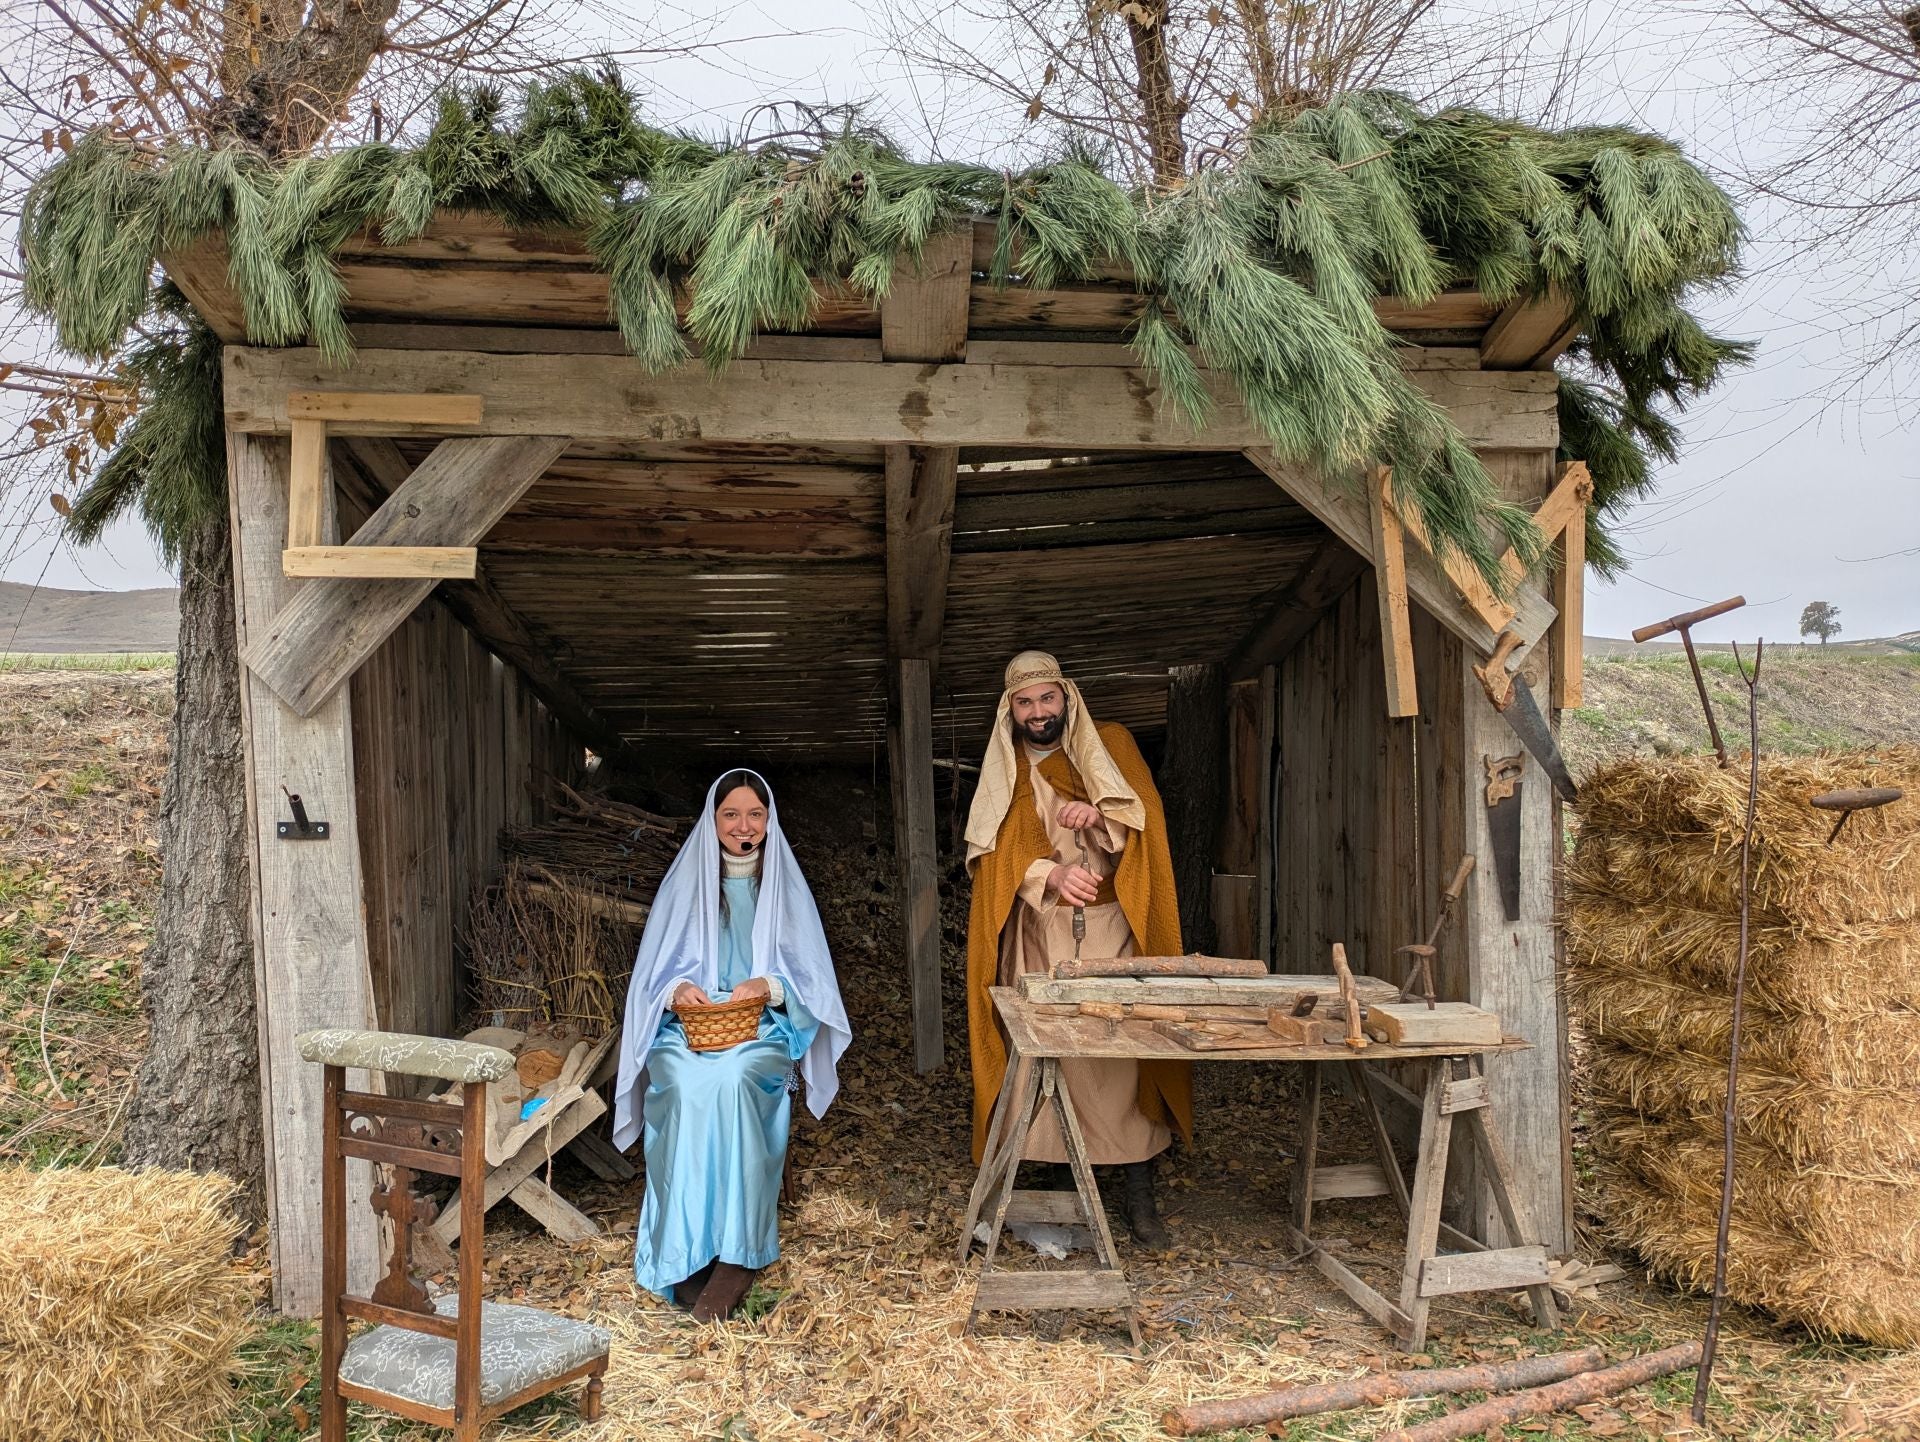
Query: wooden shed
(831, 546)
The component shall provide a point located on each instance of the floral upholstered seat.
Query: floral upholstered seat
(520, 1347)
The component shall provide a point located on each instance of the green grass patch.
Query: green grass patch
(88, 661)
(69, 998)
(88, 779)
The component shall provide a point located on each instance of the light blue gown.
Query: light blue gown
(716, 1128)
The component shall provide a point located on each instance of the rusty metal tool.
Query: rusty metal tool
(1503, 826)
(1422, 953)
(1846, 802)
(1080, 912)
(1349, 997)
(1684, 624)
(1513, 699)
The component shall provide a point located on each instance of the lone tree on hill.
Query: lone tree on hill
(1822, 619)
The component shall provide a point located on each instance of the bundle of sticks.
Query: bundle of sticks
(594, 841)
(545, 952)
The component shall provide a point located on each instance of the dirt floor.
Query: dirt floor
(858, 1331)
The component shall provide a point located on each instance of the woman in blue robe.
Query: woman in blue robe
(732, 919)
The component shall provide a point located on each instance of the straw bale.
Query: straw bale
(1630, 1008)
(1829, 1211)
(1833, 1293)
(1850, 971)
(1666, 830)
(1867, 1132)
(120, 1305)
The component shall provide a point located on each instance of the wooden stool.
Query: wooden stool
(464, 1361)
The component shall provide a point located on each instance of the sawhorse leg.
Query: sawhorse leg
(1031, 1088)
(993, 1156)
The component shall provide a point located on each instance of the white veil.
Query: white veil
(682, 943)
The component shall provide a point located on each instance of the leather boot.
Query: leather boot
(725, 1290)
(688, 1292)
(1143, 1218)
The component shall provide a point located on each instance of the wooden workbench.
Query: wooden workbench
(1454, 1088)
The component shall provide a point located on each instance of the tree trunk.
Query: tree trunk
(197, 1101)
(1192, 783)
(1159, 101)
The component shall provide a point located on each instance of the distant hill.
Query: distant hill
(1906, 641)
(43, 619)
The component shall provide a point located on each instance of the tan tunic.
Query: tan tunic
(1105, 1090)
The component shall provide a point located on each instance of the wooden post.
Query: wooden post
(310, 946)
(1390, 586)
(923, 319)
(1192, 779)
(1242, 886)
(1510, 968)
(912, 767)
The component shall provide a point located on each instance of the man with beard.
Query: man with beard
(1066, 815)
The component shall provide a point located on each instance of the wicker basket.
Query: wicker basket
(721, 1024)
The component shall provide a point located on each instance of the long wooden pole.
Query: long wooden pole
(1231, 1413)
(1730, 1114)
(1590, 1387)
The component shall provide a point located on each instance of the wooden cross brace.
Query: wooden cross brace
(1564, 511)
(309, 414)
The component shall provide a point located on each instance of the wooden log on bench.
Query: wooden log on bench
(1195, 965)
(1574, 1392)
(1236, 1413)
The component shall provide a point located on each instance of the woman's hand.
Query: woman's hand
(687, 994)
(1079, 815)
(1076, 885)
(753, 986)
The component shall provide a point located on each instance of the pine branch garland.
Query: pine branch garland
(1267, 270)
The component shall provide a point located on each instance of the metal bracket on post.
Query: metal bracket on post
(300, 828)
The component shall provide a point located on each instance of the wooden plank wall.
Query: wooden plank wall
(1347, 867)
(450, 744)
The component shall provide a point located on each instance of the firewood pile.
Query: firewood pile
(550, 942)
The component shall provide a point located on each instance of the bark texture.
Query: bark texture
(197, 1102)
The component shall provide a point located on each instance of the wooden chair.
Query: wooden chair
(463, 1361)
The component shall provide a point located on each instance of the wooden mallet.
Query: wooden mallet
(1846, 802)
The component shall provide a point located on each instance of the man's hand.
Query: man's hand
(753, 986)
(687, 994)
(1078, 815)
(1076, 885)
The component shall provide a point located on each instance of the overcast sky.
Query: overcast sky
(1794, 486)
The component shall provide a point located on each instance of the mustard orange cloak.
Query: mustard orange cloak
(1143, 885)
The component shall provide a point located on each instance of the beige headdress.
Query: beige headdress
(1000, 770)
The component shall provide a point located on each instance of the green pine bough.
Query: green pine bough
(1266, 269)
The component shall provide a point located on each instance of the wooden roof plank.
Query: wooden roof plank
(614, 397)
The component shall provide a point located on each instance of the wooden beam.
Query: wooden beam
(1530, 333)
(306, 484)
(830, 402)
(485, 612)
(912, 766)
(311, 964)
(389, 563)
(456, 495)
(201, 273)
(1317, 585)
(347, 411)
(1570, 601)
(1390, 585)
(1467, 580)
(920, 488)
(1569, 497)
(924, 316)
(1348, 517)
